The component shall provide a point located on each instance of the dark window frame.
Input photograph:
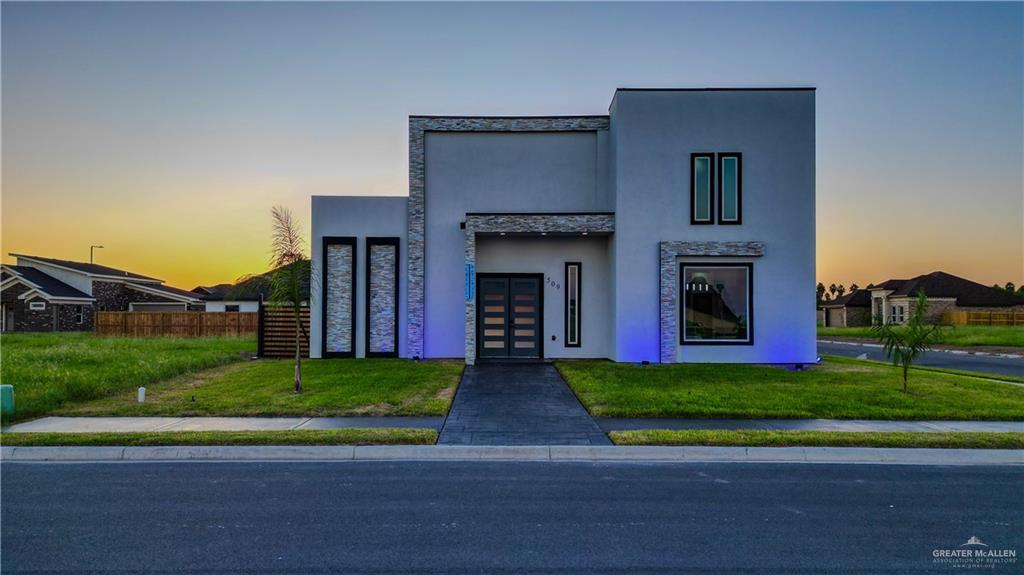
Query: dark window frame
(370, 242)
(711, 188)
(237, 307)
(739, 189)
(540, 313)
(80, 314)
(579, 305)
(681, 318)
(326, 243)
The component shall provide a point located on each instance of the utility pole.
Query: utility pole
(91, 248)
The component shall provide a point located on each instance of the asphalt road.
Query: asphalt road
(501, 517)
(979, 363)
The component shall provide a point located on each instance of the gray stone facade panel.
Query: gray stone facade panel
(339, 298)
(383, 262)
(541, 223)
(669, 281)
(418, 127)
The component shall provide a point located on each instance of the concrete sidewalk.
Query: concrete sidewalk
(622, 424)
(542, 453)
(139, 424)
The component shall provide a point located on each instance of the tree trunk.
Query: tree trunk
(298, 352)
(906, 369)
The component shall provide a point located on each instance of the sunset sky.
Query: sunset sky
(166, 132)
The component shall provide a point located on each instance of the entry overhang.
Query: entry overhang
(523, 224)
(538, 224)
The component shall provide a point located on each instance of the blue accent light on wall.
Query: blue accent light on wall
(470, 282)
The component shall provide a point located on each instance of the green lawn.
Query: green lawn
(349, 436)
(757, 438)
(961, 335)
(838, 388)
(332, 387)
(48, 370)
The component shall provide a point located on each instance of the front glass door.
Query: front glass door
(509, 316)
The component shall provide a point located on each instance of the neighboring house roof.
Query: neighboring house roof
(89, 269)
(888, 284)
(167, 292)
(859, 298)
(213, 293)
(47, 286)
(944, 285)
(248, 289)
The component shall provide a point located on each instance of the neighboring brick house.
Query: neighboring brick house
(46, 294)
(892, 301)
(34, 301)
(849, 310)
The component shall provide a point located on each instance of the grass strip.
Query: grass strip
(761, 438)
(346, 436)
(838, 388)
(959, 335)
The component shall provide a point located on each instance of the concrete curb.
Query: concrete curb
(952, 351)
(519, 453)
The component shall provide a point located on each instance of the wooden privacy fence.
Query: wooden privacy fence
(1009, 318)
(176, 323)
(277, 331)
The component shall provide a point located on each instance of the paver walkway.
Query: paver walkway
(625, 424)
(518, 404)
(131, 424)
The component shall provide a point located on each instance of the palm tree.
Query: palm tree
(291, 273)
(1010, 287)
(903, 344)
(832, 289)
(854, 287)
(820, 290)
(840, 290)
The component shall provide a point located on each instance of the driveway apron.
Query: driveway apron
(518, 404)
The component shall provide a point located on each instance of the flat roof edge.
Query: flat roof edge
(509, 117)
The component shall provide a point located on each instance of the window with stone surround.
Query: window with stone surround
(717, 304)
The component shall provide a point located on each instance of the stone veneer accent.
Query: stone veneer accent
(383, 304)
(338, 299)
(669, 277)
(418, 127)
(523, 224)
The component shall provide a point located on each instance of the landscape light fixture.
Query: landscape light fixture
(91, 248)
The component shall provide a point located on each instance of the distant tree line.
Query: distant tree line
(833, 292)
(1011, 288)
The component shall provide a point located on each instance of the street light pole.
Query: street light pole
(91, 248)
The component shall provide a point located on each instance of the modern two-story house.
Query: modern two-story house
(679, 227)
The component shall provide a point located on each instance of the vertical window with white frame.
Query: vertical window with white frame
(702, 177)
(573, 309)
(730, 188)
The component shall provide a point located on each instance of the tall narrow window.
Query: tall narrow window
(702, 174)
(730, 188)
(572, 304)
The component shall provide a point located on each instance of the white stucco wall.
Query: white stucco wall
(496, 172)
(362, 217)
(654, 133)
(242, 305)
(547, 255)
